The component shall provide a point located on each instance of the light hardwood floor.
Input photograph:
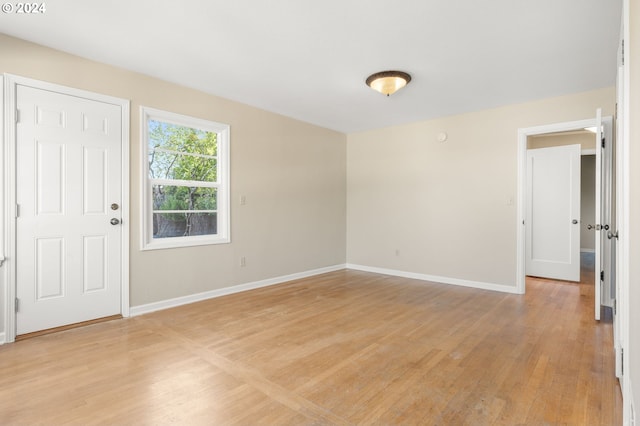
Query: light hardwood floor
(342, 348)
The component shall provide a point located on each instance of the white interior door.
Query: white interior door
(68, 189)
(605, 216)
(553, 213)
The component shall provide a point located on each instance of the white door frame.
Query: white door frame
(523, 134)
(7, 213)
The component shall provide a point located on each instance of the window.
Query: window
(185, 182)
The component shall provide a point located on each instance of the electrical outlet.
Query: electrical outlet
(243, 200)
(243, 262)
(397, 252)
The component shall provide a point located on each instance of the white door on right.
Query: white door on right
(553, 213)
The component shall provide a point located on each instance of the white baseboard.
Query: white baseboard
(3, 338)
(587, 250)
(436, 279)
(184, 300)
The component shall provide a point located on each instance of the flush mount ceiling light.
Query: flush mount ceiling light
(388, 82)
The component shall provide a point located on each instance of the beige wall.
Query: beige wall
(586, 139)
(292, 174)
(448, 208)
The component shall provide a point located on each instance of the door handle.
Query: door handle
(589, 226)
(611, 235)
(574, 221)
(114, 221)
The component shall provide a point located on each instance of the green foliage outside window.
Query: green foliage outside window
(182, 161)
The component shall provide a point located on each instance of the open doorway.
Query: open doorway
(604, 190)
(584, 141)
(605, 221)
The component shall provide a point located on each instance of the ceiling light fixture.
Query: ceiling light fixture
(388, 82)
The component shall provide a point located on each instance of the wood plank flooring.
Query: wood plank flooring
(342, 348)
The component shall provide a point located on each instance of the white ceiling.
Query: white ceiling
(308, 59)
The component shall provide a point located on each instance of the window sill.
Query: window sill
(178, 242)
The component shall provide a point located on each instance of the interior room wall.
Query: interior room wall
(292, 174)
(584, 138)
(447, 209)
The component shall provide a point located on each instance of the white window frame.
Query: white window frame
(223, 195)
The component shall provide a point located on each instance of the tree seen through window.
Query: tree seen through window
(183, 175)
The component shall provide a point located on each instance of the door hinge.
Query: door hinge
(601, 275)
(615, 306)
(622, 361)
(17, 304)
(17, 116)
(603, 142)
(17, 211)
(622, 53)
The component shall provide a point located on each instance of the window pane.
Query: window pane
(182, 138)
(169, 146)
(171, 165)
(167, 197)
(186, 161)
(166, 225)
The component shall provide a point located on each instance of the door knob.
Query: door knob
(114, 221)
(589, 226)
(574, 221)
(611, 235)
